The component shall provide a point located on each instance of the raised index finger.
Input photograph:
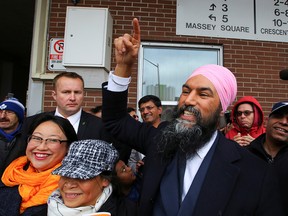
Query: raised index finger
(136, 30)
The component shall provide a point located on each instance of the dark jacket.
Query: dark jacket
(236, 183)
(278, 163)
(10, 151)
(11, 201)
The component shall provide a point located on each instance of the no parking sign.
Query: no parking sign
(56, 54)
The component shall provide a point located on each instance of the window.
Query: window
(164, 67)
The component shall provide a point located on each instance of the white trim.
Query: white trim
(35, 94)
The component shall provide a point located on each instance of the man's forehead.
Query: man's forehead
(68, 80)
(7, 110)
(150, 102)
(199, 82)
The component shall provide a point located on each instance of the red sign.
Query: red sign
(56, 54)
(55, 57)
(59, 46)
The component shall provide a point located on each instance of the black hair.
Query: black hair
(130, 109)
(107, 175)
(115, 181)
(156, 100)
(63, 123)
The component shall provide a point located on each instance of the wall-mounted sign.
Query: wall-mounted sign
(244, 19)
(56, 54)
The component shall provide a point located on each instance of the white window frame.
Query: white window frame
(172, 45)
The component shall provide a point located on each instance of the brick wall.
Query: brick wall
(256, 64)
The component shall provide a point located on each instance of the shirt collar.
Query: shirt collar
(73, 118)
(202, 152)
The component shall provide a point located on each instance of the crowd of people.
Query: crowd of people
(200, 162)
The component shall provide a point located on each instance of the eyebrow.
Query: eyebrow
(199, 88)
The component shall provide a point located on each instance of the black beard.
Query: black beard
(185, 137)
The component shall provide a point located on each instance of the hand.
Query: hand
(126, 51)
(243, 140)
(139, 164)
(237, 138)
(247, 140)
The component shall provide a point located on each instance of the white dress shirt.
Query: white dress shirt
(193, 164)
(73, 119)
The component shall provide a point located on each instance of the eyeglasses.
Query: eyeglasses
(147, 107)
(50, 141)
(7, 112)
(246, 113)
(135, 116)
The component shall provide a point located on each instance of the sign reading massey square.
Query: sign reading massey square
(244, 19)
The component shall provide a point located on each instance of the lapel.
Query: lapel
(152, 178)
(190, 200)
(169, 188)
(82, 124)
(220, 180)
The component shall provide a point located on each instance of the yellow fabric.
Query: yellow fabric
(34, 187)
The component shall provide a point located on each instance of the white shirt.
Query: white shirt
(193, 164)
(73, 119)
(117, 84)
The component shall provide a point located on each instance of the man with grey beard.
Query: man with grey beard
(190, 167)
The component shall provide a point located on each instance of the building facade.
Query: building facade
(255, 63)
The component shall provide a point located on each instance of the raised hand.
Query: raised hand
(126, 50)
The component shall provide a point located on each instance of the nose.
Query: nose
(70, 183)
(42, 145)
(72, 96)
(145, 110)
(191, 99)
(284, 120)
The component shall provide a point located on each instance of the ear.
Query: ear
(105, 182)
(160, 109)
(54, 95)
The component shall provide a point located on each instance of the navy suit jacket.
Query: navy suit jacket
(236, 183)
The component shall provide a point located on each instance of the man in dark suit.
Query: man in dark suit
(190, 167)
(68, 92)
